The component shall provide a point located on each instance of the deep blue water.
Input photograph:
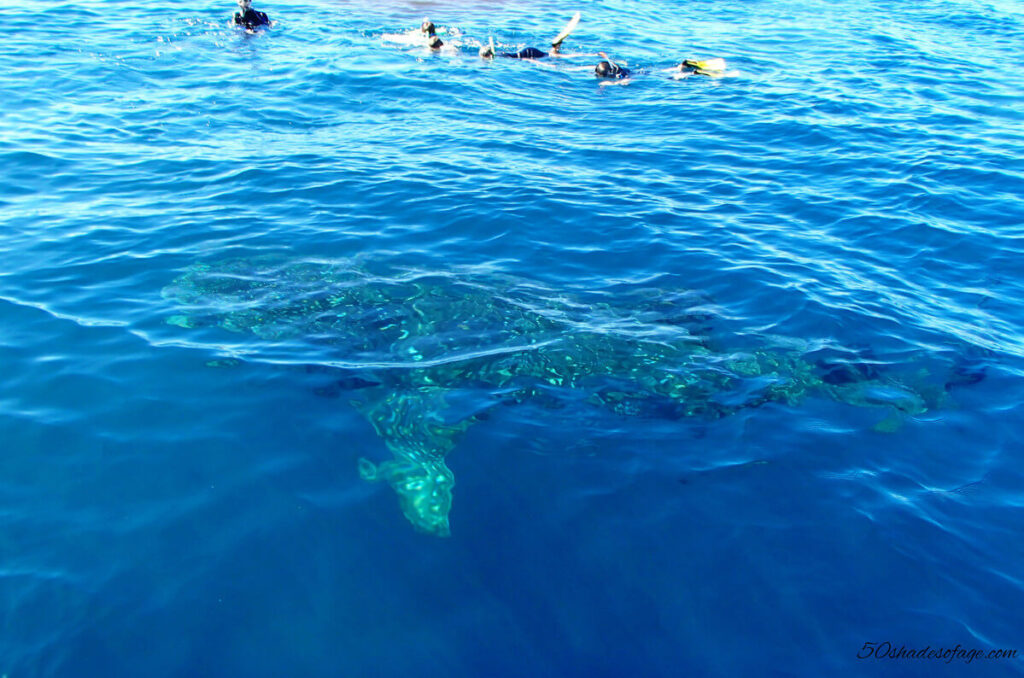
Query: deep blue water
(853, 188)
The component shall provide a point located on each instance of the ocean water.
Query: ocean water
(180, 484)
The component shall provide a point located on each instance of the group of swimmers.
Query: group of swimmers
(251, 20)
(604, 69)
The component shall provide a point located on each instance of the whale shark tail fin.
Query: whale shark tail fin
(424, 490)
(420, 426)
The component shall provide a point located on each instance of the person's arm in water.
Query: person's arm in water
(557, 54)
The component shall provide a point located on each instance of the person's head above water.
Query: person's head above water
(428, 27)
(610, 70)
(244, 4)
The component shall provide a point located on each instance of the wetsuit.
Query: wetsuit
(251, 19)
(528, 53)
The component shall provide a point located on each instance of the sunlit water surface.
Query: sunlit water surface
(187, 502)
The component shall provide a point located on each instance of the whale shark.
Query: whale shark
(405, 343)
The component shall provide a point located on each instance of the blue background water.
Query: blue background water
(857, 184)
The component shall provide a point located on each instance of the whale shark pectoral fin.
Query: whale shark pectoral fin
(424, 490)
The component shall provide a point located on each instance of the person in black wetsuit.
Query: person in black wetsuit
(527, 53)
(487, 51)
(428, 29)
(606, 69)
(250, 18)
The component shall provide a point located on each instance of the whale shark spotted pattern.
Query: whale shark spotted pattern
(411, 340)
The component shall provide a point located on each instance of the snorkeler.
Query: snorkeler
(487, 51)
(610, 69)
(428, 29)
(250, 18)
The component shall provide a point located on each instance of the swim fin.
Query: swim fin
(707, 65)
(569, 28)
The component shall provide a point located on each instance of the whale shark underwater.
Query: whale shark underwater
(403, 345)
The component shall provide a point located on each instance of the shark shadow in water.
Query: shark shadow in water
(408, 343)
